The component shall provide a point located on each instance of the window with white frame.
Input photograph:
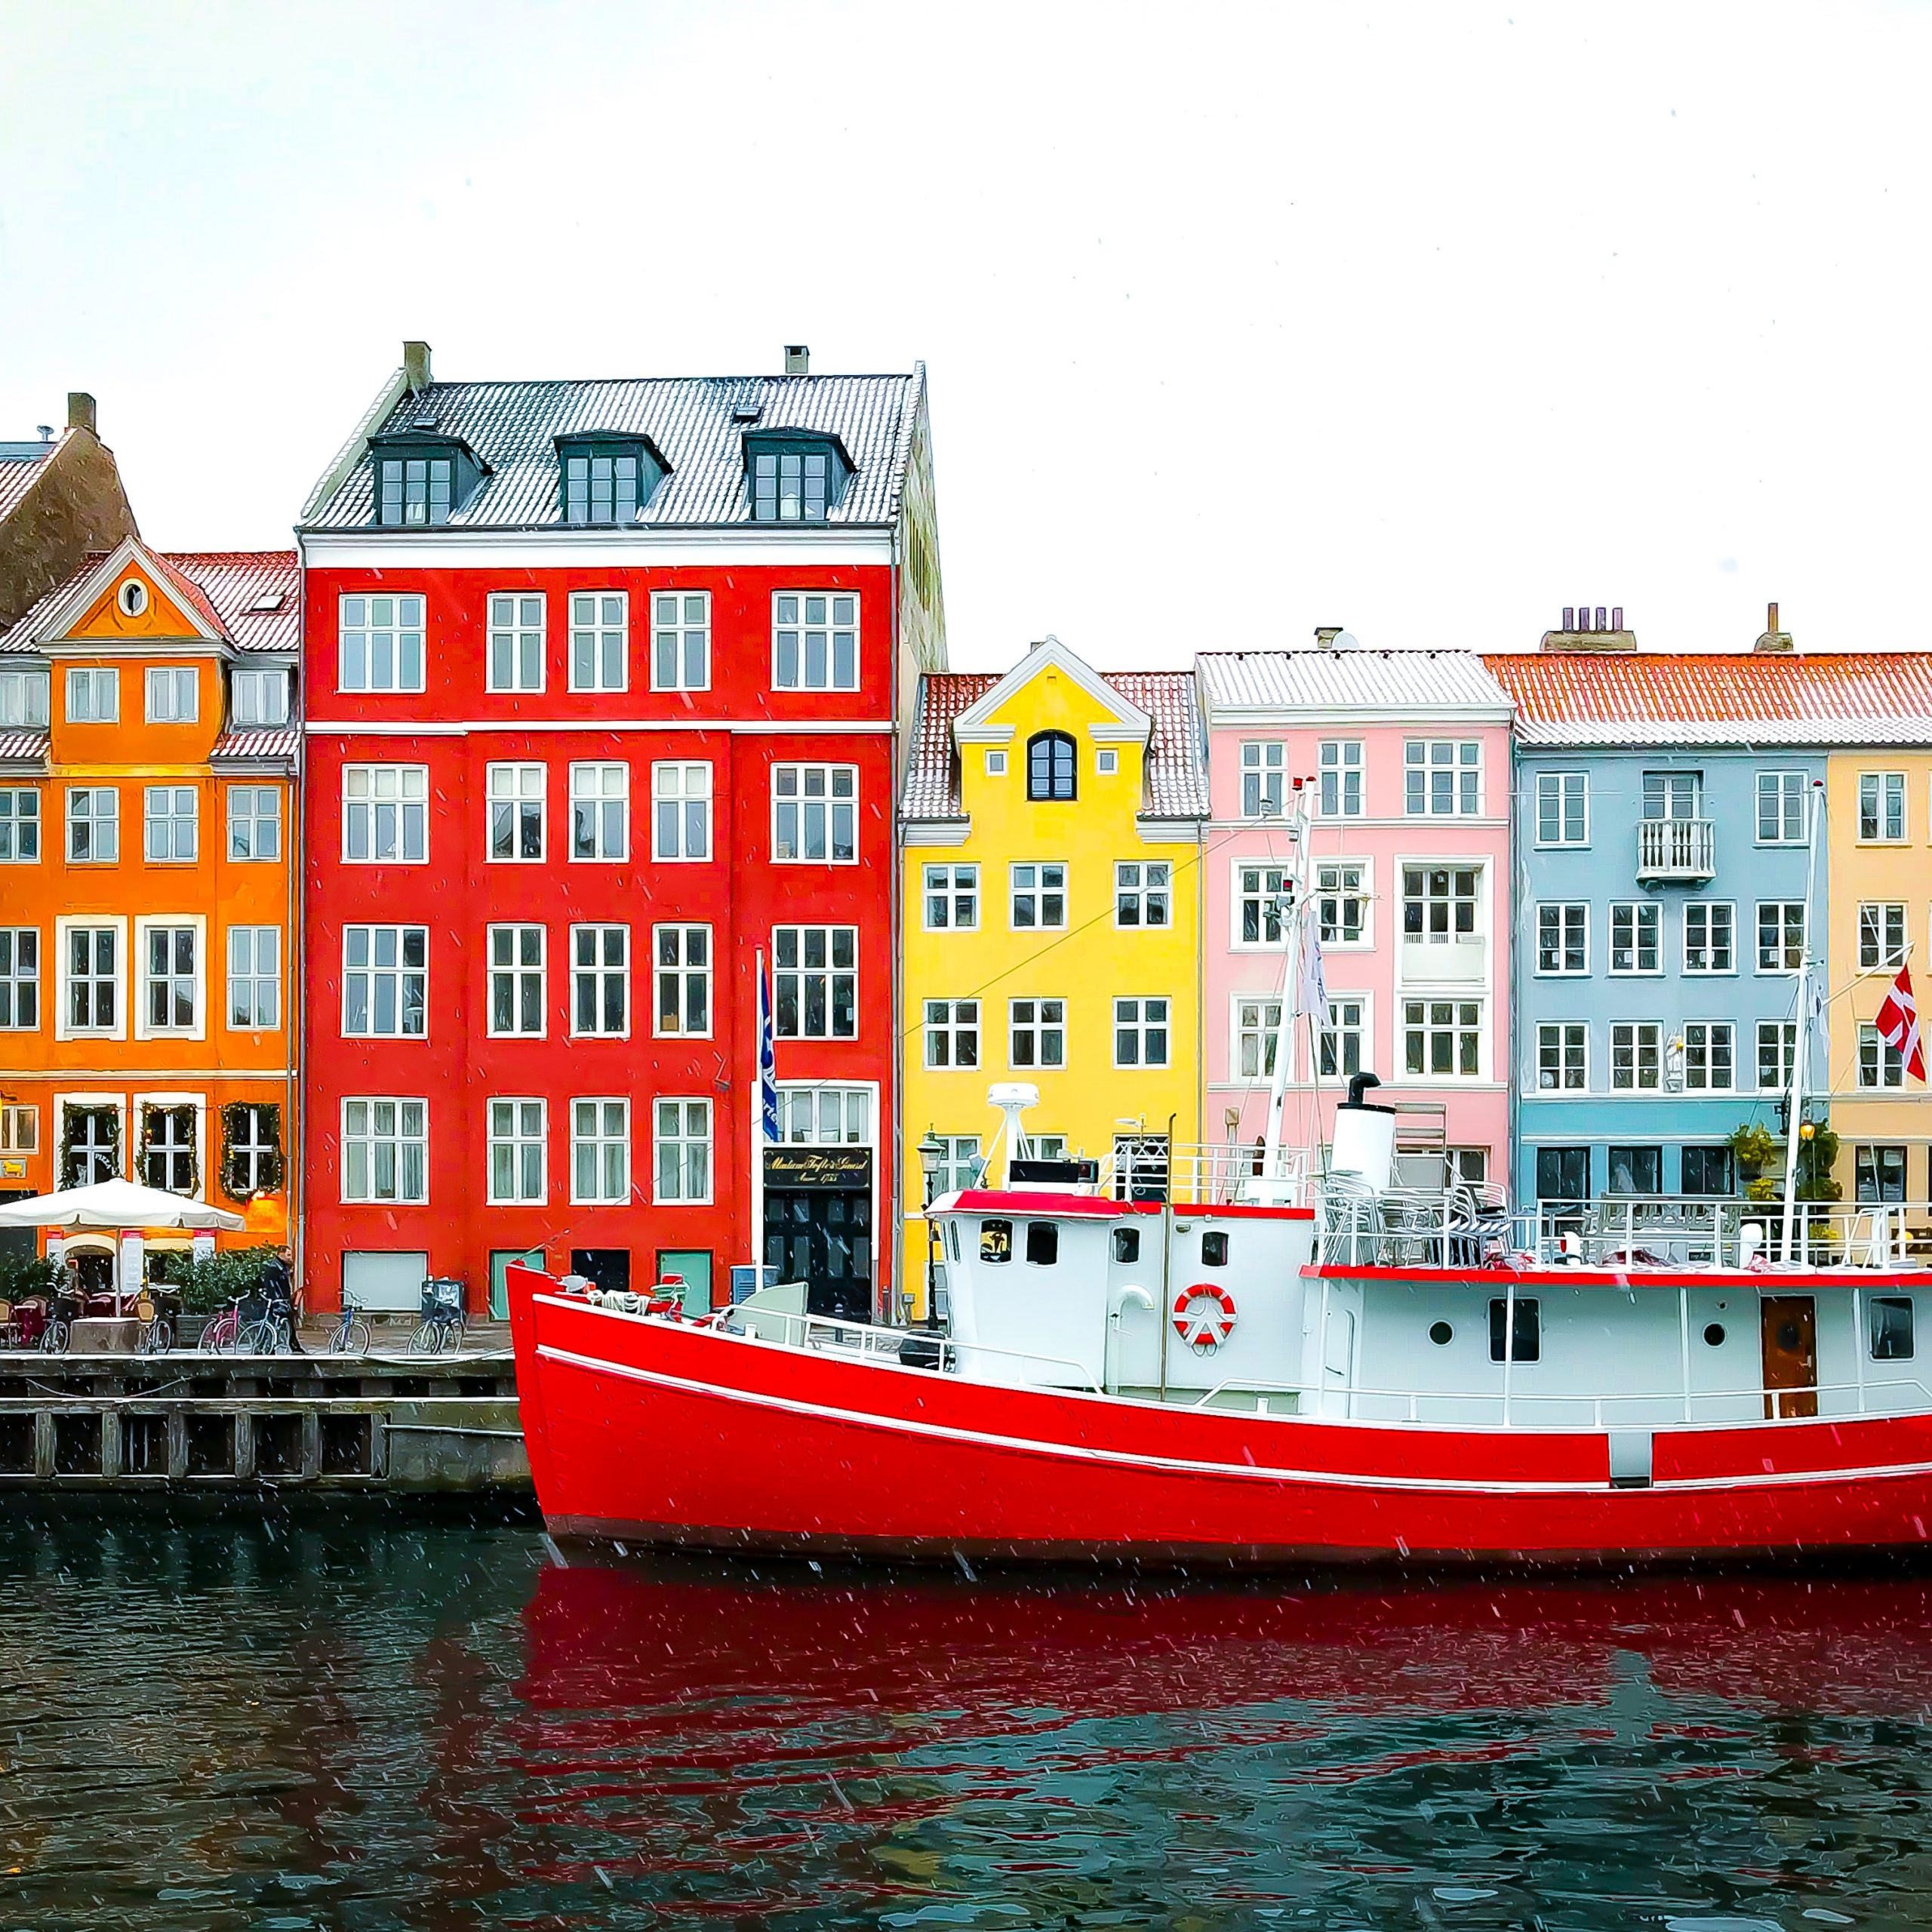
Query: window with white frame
(815, 640)
(385, 1151)
(1341, 1047)
(255, 978)
(1442, 1038)
(251, 1153)
(823, 1116)
(170, 822)
(600, 981)
(19, 979)
(1709, 937)
(1140, 1033)
(1882, 807)
(1636, 1057)
(518, 1148)
(168, 1148)
(94, 824)
(1261, 893)
(1678, 796)
(24, 698)
(385, 982)
(600, 641)
(681, 810)
(1877, 1173)
(996, 764)
(1781, 808)
(258, 697)
(20, 825)
(1341, 902)
(1442, 777)
(254, 822)
(681, 1138)
(1880, 1064)
(1106, 762)
(683, 977)
(1777, 1054)
(1880, 934)
(1781, 935)
(93, 978)
(1143, 892)
(1439, 903)
(171, 978)
(600, 1151)
(1563, 937)
(1563, 1057)
(815, 814)
(1257, 1029)
(1036, 1033)
(1709, 1057)
(516, 981)
(1339, 763)
(173, 695)
(681, 641)
(516, 640)
(379, 645)
(1039, 897)
(1469, 1167)
(600, 811)
(815, 982)
(20, 1129)
(1636, 936)
(952, 894)
(958, 1165)
(952, 1032)
(93, 1149)
(515, 793)
(1563, 808)
(93, 695)
(1263, 770)
(385, 814)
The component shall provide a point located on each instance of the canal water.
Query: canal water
(366, 1724)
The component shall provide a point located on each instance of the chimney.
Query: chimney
(1773, 639)
(1325, 635)
(415, 366)
(80, 411)
(1585, 629)
(797, 359)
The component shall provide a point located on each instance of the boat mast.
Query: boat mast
(1801, 1042)
(1294, 897)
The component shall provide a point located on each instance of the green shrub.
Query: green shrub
(22, 1275)
(222, 1277)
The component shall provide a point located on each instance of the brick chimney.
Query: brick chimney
(415, 366)
(1773, 639)
(80, 411)
(1585, 630)
(797, 359)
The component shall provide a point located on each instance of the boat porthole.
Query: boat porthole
(1787, 1335)
(1714, 1334)
(1440, 1333)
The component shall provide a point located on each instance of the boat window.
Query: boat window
(1527, 1343)
(1042, 1243)
(1214, 1251)
(995, 1240)
(1127, 1245)
(1891, 1327)
(1440, 1334)
(1714, 1334)
(952, 1233)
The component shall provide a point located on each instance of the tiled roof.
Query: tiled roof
(1843, 698)
(693, 421)
(222, 586)
(1176, 775)
(1402, 681)
(17, 742)
(257, 745)
(16, 478)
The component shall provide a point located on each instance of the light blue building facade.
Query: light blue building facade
(1659, 920)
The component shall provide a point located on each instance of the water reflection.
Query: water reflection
(368, 1724)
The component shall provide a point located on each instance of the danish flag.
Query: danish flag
(1898, 1025)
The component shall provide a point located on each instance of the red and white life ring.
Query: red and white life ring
(1204, 1316)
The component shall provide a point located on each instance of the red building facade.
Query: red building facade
(606, 683)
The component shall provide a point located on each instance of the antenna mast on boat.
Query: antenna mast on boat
(1801, 1040)
(1294, 899)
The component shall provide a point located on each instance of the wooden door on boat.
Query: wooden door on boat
(1790, 1324)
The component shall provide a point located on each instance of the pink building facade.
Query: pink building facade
(1407, 754)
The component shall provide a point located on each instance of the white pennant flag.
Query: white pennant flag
(1314, 995)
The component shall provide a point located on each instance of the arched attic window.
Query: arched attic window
(1050, 765)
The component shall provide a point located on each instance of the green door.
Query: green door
(693, 1264)
(501, 1259)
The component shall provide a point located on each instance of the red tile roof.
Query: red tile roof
(223, 587)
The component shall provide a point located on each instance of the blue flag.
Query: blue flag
(767, 1060)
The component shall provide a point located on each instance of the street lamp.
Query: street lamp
(932, 1153)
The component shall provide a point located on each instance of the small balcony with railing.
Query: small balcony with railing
(1680, 851)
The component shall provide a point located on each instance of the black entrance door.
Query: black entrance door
(818, 1226)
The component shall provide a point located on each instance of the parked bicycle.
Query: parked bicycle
(352, 1335)
(63, 1310)
(270, 1333)
(157, 1335)
(440, 1326)
(218, 1338)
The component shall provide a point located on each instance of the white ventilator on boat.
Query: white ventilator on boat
(1013, 1098)
(1363, 1146)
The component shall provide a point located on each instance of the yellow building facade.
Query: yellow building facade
(1878, 902)
(1052, 825)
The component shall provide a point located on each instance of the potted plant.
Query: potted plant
(1755, 1148)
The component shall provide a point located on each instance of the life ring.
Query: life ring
(1204, 1328)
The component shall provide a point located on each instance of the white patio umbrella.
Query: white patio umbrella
(114, 1204)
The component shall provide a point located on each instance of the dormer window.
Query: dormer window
(607, 479)
(1049, 766)
(795, 479)
(421, 479)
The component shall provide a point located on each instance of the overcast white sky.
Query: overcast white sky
(1422, 320)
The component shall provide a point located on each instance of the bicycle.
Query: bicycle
(157, 1335)
(219, 1337)
(352, 1335)
(62, 1312)
(442, 1323)
(269, 1336)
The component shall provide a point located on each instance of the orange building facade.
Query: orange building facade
(147, 819)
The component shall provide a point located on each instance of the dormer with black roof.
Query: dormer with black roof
(607, 476)
(423, 473)
(794, 476)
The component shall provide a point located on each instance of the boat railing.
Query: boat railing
(918, 1348)
(1203, 1174)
